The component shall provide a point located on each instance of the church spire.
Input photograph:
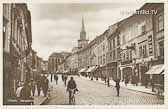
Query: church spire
(83, 32)
(83, 25)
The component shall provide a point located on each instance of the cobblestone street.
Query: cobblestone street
(93, 93)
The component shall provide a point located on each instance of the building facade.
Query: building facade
(17, 40)
(45, 66)
(113, 55)
(55, 59)
(138, 44)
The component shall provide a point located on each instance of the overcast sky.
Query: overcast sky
(56, 27)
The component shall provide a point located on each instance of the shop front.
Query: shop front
(112, 70)
(156, 73)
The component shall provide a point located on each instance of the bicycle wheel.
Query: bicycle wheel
(73, 100)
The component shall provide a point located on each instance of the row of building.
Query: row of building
(127, 48)
(20, 61)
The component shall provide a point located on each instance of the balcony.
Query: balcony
(126, 62)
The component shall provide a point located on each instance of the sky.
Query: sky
(56, 27)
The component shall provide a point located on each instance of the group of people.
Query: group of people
(27, 90)
(64, 78)
(42, 82)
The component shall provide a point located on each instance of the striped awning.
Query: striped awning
(92, 68)
(157, 69)
(82, 70)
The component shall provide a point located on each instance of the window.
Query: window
(104, 59)
(113, 43)
(110, 46)
(160, 21)
(150, 45)
(140, 51)
(114, 55)
(144, 51)
(110, 56)
(4, 35)
(130, 54)
(123, 56)
(143, 29)
(123, 37)
(127, 55)
(118, 40)
(103, 47)
(118, 54)
(161, 48)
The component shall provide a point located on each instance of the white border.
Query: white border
(84, 106)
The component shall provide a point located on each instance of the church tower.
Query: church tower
(82, 42)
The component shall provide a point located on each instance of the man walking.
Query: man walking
(38, 82)
(51, 76)
(56, 78)
(118, 86)
(33, 86)
(108, 82)
(65, 79)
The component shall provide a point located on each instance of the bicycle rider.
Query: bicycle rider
(71, 87)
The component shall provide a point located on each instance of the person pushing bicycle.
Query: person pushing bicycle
(72, 88)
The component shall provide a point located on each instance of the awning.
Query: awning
(66, 71)
(157, 69)
(82, 70)
(92, 68)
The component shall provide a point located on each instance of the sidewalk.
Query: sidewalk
(39, 100)
(122, 84)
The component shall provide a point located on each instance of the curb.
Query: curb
(41, 103)
(125, 87)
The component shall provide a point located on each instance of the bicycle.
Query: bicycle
(72, 97)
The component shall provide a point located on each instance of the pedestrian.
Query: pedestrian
(56, 78)
(26, 91)
(126, 80)
(38, 83)
(117, 86)
(18, 91)
(32, 86)
(65, 79)
(136, 79)
(146, 81)
(43, 84)
(46, 81)
(152, 83)
(108, 82)
(105, 79)
(51, 76)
